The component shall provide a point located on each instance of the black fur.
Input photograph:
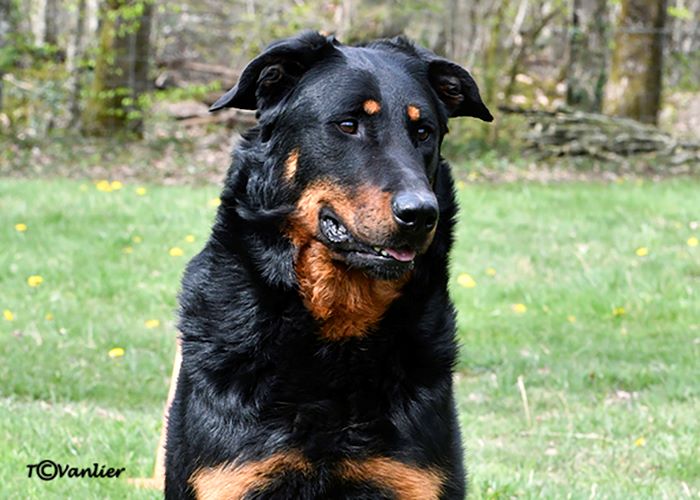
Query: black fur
(257, 378)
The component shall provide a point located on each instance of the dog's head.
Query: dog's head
(349, 137)
(355, 133)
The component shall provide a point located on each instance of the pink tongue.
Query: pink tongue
(401, 255)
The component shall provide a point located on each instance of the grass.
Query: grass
(605, 342)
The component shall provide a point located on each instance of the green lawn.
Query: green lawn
(549, 287)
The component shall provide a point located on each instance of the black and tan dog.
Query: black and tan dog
(318, 338)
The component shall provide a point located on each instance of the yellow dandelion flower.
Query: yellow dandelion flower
(692, 241)
(461, 185)
(465, 280)
(618, 311)
(116, 185)
(116, 352)
(8, 315)
(83, 187)
(176, 252)
(48, 317)
(136, 239)
(519, 308)
(104, 186)
(215, 202)
(21, 227)
(490, 271)
(640, 441)
(642, 251)
(128, 250)
(152, 323)
(571, 318)
(141, 191)
(35, 280)
(189, 238)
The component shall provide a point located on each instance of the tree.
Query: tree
(51, 23)
(8, 18)
(76, 65)
(586, 73)
(634, 88)
(121, 69)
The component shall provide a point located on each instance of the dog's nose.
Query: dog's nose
(417, 212)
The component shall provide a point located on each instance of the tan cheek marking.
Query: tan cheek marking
(413, 113)
(304, 223)
(234, 481)
(407, 482)
(345, 301)
(371, 107)
(290, 166)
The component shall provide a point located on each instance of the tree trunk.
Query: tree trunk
(586, 73)
(7, 28)
(51, 23)
(634, 88)
(492, 69)
(528, 40)
(76, 65)
(121, 69)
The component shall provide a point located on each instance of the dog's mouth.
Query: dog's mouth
(381, 261)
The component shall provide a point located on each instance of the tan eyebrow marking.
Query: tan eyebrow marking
(413, 113)
(371, 107)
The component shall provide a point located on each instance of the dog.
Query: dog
(317, 333)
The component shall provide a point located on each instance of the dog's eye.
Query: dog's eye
(423, 133)
(348, 126)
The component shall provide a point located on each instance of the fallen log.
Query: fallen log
(567, 132)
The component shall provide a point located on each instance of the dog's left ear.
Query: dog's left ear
(457, 89)
(271, 75)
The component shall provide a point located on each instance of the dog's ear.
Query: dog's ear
(272, 74)
(457, 89)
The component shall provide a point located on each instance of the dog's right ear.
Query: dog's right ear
(271, 75)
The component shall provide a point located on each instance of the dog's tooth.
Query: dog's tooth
(384, 253)
(377, 249)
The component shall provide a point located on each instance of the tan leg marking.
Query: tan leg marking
(234, 481)
(407, 482)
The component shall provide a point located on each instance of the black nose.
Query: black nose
(414, 211)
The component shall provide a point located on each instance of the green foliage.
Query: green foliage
(34, 99)
(470, 139)
(8, 56)
(680, 12)
(686, 65)
(193, 91)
